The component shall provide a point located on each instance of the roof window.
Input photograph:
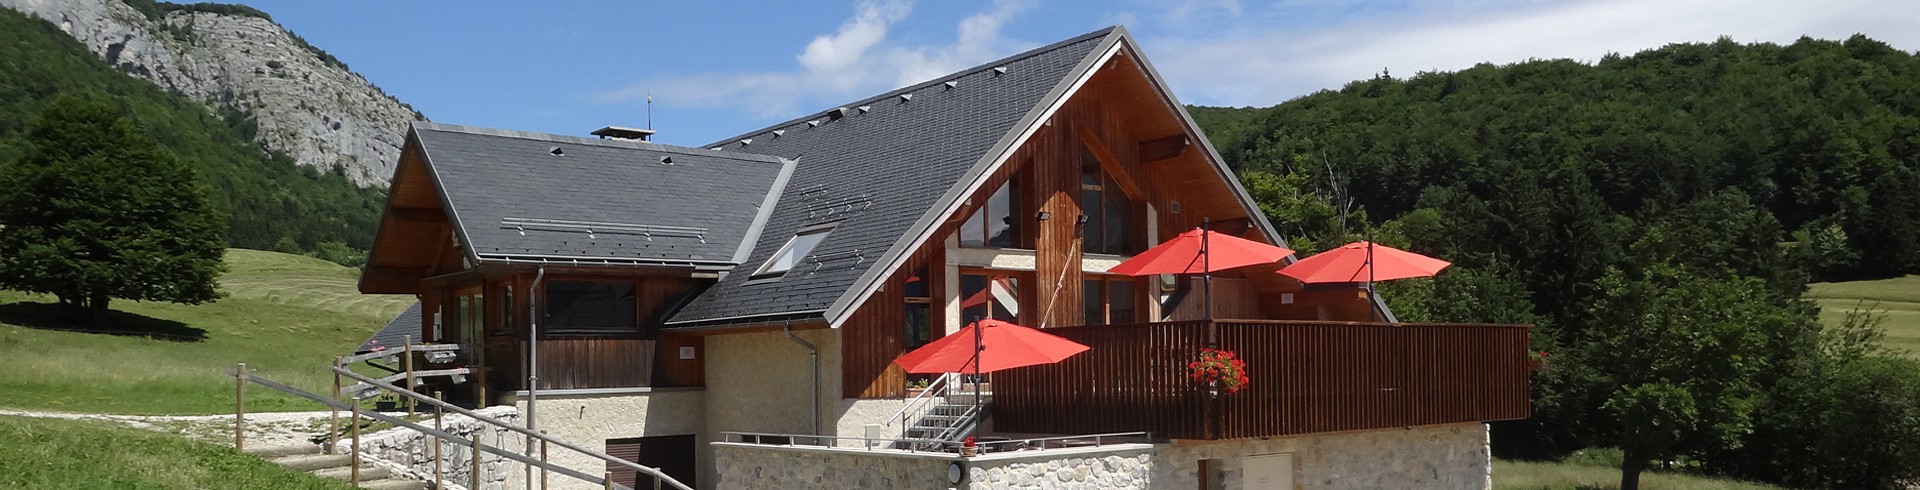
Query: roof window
(796, 249)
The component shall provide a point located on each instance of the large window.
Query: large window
(589, 307)
(989, 296)
(1110, 228)
(919, 309)
(1110, 300)
(996, 222)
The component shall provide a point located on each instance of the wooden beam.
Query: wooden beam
(1111, 164)
(1155, 150)
(421, 215)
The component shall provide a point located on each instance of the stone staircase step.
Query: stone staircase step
(270, 452)
(310, 462)
(367, 473)
(394, 484)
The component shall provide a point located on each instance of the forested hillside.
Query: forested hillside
(1658, 217)
(273, 203)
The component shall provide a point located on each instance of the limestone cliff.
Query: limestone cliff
(307, 106)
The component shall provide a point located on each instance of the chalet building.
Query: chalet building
(705, 309)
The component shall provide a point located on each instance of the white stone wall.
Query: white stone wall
(1438, 457)
(412, 452)
(1120, 470)
(1432, 457)
(778, 468)
(588, 420)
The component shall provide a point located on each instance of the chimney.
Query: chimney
(624, 133)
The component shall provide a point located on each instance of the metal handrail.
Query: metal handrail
(400, 422)
(649, 471)
(937, 387)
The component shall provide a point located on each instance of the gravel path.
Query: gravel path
(264, 429)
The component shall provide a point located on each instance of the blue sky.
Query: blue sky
(720, 68)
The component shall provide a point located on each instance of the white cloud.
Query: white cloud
(1268, 66)
(857, 59)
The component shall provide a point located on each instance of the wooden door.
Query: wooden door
(672, 454)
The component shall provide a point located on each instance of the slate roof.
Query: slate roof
(879, 167)
(602, 201)
(394, 335)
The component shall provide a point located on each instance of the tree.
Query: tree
(1677, 371)
(96, 210)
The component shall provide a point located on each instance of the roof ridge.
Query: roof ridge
(722, 142)
(608, 143)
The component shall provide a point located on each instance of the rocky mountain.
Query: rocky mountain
(306, 104)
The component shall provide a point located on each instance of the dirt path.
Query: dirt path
(263, 429)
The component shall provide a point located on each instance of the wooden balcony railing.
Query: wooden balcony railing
(1304, 377)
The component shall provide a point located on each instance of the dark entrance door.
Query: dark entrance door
(672, 454)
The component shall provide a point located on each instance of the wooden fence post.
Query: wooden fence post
(354, 458)
(606, 482)
(240, 407)
(543, 459)
(333, 418)
(475, 481)
(407, 364)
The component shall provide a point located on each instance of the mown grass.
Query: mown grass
(40, 453)
(286, 316)
(1897, 298)
(1599, 469)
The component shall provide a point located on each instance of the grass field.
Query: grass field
(1898, 298)
(1526, 475)
(40, 453)
(286, 316)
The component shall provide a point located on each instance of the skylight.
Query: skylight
(797, 248)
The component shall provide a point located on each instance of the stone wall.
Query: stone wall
(589, 419)
(412, 452)
(781, 468)
(1432, 457)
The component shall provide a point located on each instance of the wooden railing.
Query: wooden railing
(1304, 377)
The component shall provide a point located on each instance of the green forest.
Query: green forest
(271, 202)
(1658, 217)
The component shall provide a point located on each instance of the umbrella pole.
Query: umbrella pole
(979, 347)
(1373, 310)
(1206, 266)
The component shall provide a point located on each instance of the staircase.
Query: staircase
(308, 458)
(945, 421)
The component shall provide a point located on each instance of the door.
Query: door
(672, 454)
(1267, 472)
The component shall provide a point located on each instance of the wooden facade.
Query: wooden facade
(1303, 377)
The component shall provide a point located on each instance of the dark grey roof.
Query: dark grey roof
(394, 335)
(878, 167)
(528, 196)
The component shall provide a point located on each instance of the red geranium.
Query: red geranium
(1219, 366)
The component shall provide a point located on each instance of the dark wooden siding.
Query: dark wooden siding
(1304, 377)
(876, 333)
(595, 363)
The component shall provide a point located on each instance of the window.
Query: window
(590, 307)
(1110, 228)
(995, 223)
(504, 325)
(1109, 300)
(794, 251)
(989, 296)
(918, 313)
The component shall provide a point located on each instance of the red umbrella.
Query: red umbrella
(1363, 262)
(1006, 346)
(1196, 252)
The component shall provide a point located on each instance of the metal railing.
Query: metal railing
(935, 391)
(940, 447)
(605, 481)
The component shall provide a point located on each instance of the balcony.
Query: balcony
(1304, 377)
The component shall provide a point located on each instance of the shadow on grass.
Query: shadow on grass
(50, 316)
